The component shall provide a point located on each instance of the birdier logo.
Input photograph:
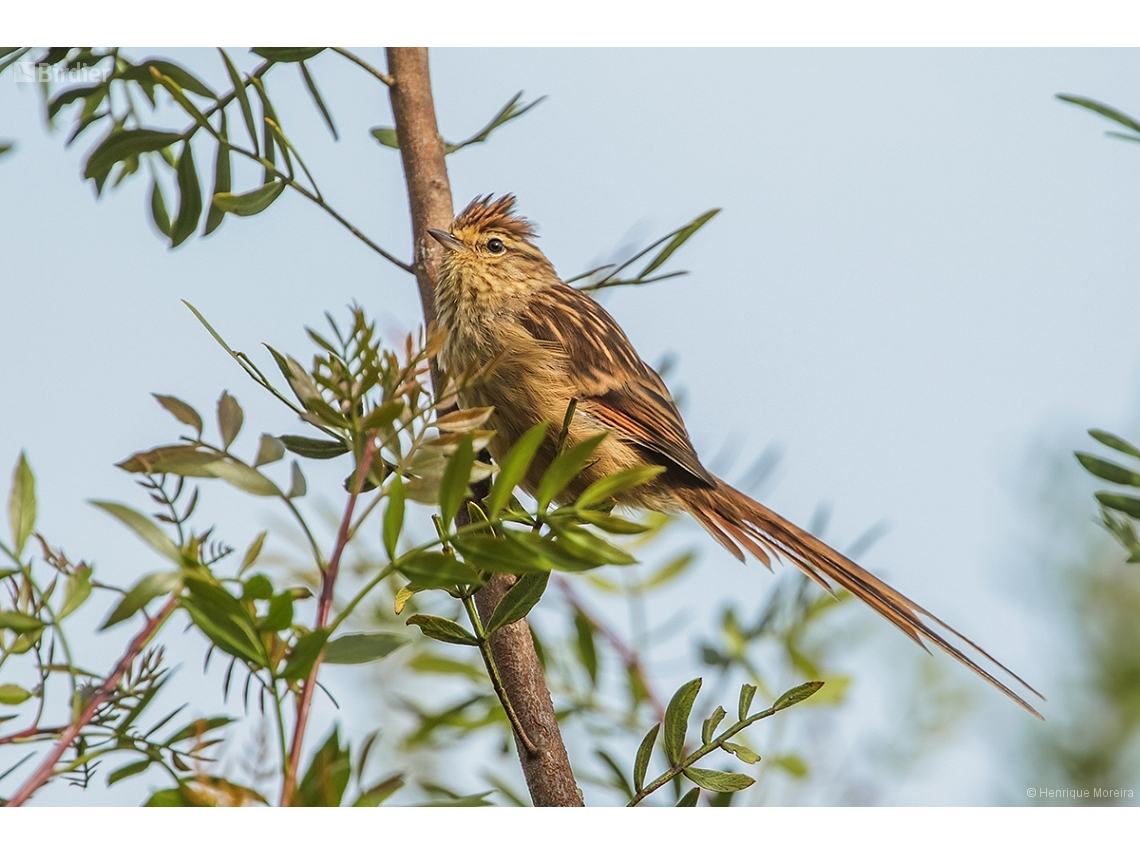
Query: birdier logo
(42, 72)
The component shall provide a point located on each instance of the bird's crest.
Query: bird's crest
(483, 215)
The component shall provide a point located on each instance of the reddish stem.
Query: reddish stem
(47, 767)
(324, 607)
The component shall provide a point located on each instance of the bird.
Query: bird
(535, 344)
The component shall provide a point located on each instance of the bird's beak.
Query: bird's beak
(447, 239)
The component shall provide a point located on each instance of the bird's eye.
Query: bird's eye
(495, 245)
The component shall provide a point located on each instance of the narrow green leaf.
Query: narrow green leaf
(222, 180)
(311, 85)
(12, 695)
(796, 695)
(436, 570)
(718, 782)
(243, 99)
(304, 654)
(513, 468)
(230, 418)
(224, 620)
(20, 623)
(77, 591)
(711, 724)
(254, 202)
(359, 647)
(588, 545)
(1103, 109)
(394, 515)
(620, 782)
(793, 764)
(181, 411)
(244, 477)
(189, 198)
(473, 800)
(742, 751)
(130, 770)
(587, 650)
(442, 629)
(1114, 442)
(315, 449)
(269, 450)
(1108, 471)
(518, 601)
(677, 719)
(327, 777)
(22, 503)
(120, 145)
(158, 212)
(297, 484)
(286, 54)
(179, 75)
(619, 482)
(252, 552)
(611, 523)
(199, 728)
(374, 796)
(453, 486)
(690, 798)
(150, 533)
(747, 693)
(386, 137)
(644, 752)
(145, 590)
(1119, 502)
(680, 237)
(183, 460)
(565, 467)
(496, 555)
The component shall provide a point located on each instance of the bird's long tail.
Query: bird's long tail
(736, 521)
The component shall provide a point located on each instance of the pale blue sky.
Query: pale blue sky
(924, 261)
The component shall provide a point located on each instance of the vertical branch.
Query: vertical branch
(547, 770)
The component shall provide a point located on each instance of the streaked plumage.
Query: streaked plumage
(500, 299)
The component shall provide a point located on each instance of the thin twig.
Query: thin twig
(324, 607)
(46, 768)
(375, 72)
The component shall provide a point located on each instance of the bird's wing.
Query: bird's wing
(620, 390)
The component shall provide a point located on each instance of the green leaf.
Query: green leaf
(158, 212)
(77, 591)
(222, 180)
(12, 695)
(672, 568)
(224, 620)
(311, 85)
(230, 418)
(22, 504)
(1103, 109)
(677, 720)
(611, 523)
(690, 798)
(742, 751)
(20, 622)
(473, 800)
(269, 450)
(436, 570)
(1108, 471)
(587, 651)
(619, 482)
(183, 460)
(679, 238)
(297, 485)
(644, 752)
(385, 136)
(180, 76)
(518, 601)
(1119, 502)
(374, 796)
(620, 782)
(496, 555)
(564, 468)
(144, 590)
(359, 647)
(257, 587)
(243, 477)
(181, 411)
(189, 198)
(243, 99)
(513, 468)
(747, 693)
(442, 629)
(279, 617)
(172, 797)
(453, 486)
(793, 764)
(383, 416)
(394, 515)
(1114, 442)
(587, 545)
(796, 695)
(123, 144)
(711, 724)
(327, 776)
(304, 654)
(130, 770)
(254, 202)
(718, 782)
(508, 113)
(198, 728)
(286, 54)
(252, 552)
(150, 533)
(315, 449)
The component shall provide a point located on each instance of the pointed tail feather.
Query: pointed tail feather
(736, 521)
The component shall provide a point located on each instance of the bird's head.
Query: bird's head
(489, 250)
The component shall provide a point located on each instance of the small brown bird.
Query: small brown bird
(499, 299)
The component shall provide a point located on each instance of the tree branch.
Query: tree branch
(548, 774)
